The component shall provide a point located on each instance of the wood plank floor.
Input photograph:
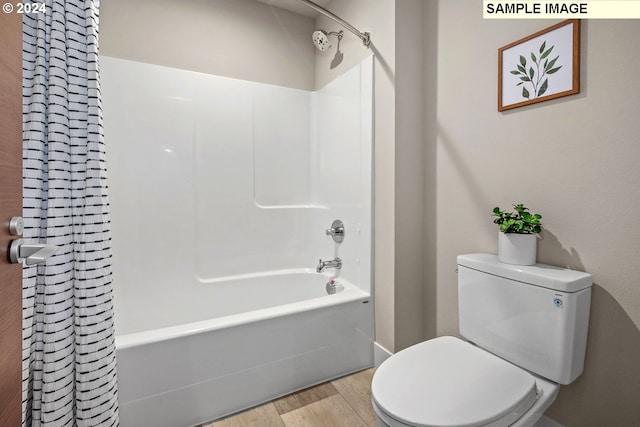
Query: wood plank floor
(345, 402)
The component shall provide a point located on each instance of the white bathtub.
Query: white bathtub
(238, 343)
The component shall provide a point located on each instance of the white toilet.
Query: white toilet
(527, 331)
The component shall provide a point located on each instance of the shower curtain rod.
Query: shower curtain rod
(365, 37)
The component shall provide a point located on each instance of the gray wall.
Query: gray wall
(574, 160)
(243, 39)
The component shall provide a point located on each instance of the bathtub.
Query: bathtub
(239, 342)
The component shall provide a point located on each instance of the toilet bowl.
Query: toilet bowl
(526, 328)
(449, 382)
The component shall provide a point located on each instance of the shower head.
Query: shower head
(322, 35)
(321, 38)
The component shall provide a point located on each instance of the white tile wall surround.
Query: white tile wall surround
(213, 177)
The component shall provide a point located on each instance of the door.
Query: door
(10, 206)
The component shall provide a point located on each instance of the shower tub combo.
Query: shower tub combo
(216, 237)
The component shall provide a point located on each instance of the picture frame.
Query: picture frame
(540, 67)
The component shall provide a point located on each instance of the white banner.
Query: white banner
(554, 9)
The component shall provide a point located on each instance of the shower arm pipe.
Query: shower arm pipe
(365, 37)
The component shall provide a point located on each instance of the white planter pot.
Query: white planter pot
(518, 249)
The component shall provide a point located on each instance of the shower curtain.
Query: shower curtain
(69, 376)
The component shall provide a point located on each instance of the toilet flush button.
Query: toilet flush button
(557, 302)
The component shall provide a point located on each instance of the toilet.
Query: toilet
(525, 333)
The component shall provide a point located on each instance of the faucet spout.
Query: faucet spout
(334, 263)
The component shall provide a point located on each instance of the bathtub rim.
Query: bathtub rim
(350, 293)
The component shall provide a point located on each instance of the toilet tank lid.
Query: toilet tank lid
(547, 276)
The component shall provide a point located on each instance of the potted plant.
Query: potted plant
(517, 236)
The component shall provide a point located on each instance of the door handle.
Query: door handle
(31, 254)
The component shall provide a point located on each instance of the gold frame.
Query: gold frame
(575, 87)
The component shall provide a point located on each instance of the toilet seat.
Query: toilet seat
(449, 382)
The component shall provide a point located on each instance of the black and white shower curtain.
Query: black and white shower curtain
(69, 376)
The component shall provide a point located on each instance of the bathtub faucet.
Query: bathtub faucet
(334, 263)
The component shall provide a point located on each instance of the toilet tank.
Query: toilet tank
(536, 317)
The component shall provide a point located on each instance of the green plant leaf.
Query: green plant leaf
(525, 93)
(521, 68)
(525, 79)
(551, 64)
(544, 43)
(544, 87)
(533, 58)
(531, 72)
(523, 61)
(515, 72)
(521, 221)
(521, 83)
(547, 52)
(554, 70)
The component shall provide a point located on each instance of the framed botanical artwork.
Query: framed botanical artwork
(540, 67)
